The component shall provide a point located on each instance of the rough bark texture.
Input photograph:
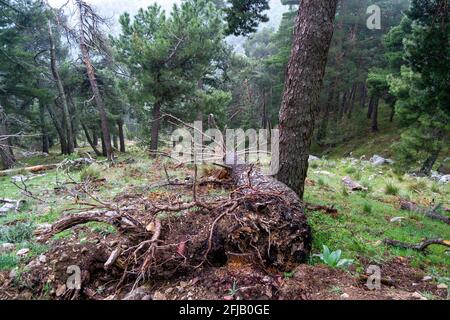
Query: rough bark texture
(156, 124)
(62, 95)
(44, 129)
(94, 87)
(7, 157)
(375, 114)
(121, 136)
(312, 38)
(89, 139)
(59, 129)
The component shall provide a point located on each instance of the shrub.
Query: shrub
(391, 189)
(367, 208)
(17, 233)
(90, 173)
(418, 186)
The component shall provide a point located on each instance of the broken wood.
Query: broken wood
(33, 169)
(428, 212)
(329, 210)
(420, 246)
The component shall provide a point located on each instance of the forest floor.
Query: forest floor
(358, 227)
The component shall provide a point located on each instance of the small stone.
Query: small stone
(345, 296)
(61, 290)
(23, 252)
(427, 278)
(417, 295)
(147, 297)
(169, 291)
(397, 219)
(184, 284)
(13, 273)
(6, 247)
(442, 286)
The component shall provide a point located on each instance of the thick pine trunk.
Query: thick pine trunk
(6, 154)
(121, 136)
(304, 78)
(156, 124)
(62, 95)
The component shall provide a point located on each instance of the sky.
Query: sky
(114, 8)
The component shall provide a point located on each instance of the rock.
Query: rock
(159, 296)
(136, 294)
(352, 185)
(13, 273)
(6, 247)
(42, 258)
(397, 219)
(417, 295)
(6, 208)
(147, 298)
(377, 160)
(325, 173)
(23, 252)
(427, 278)
(445, 179)
(313, 158)
(345, 296)
(43, 227)
(61, 290)
(442, 286)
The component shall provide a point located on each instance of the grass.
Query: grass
(358, 230)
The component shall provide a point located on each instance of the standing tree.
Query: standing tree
(304, 77)
(422, 89)
(90, 36)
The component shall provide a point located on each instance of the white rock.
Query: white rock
(445, 179)
(6, 247)
(345, 296)
(442, 286)
(313, 158)
(397, 219)
(325, 173)
(22, 252)
(13, 273)
(377, 160)
(427, 278)
(43, 258)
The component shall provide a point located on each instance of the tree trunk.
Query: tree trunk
(94, 137)
(351, 101)
(363, 96)
(44, 131)
(6, 154)
(121, 136)
(156, 123)
(90, 141)
(62, 95)
(371, 104)
(104, 152)
(59, 129)
(429, 163)
(375, 115)
(115, 142)
(93, 82)
(323, 127)
(306, 69)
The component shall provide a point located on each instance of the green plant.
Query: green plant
(17, 233)
(391, 189)
(90, 173)
(7, 262)
(336, 290)
(367, 208)
(289, 274)
(418, 187)
(233, 290)
(333, 258)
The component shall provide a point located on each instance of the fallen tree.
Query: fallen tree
(262, 221)
(431, 213)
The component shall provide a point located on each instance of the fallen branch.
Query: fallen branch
(330, 210)
(34, 169)
(430, 213)
(420, 246)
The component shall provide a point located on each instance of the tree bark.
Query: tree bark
(121, 136)
(306, 69)
(6, 154)
(90, 141)
(94, 137)
(94, 86)
(375, 114)
(62, 95)
(44, 129)
(59, 129)
(156, 124)
(429, 163)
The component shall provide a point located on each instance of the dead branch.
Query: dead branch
(431, 213)
(420, 246)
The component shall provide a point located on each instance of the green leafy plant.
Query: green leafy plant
(333, 258)
(391, 189)
(233, 290)
(17, 233)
